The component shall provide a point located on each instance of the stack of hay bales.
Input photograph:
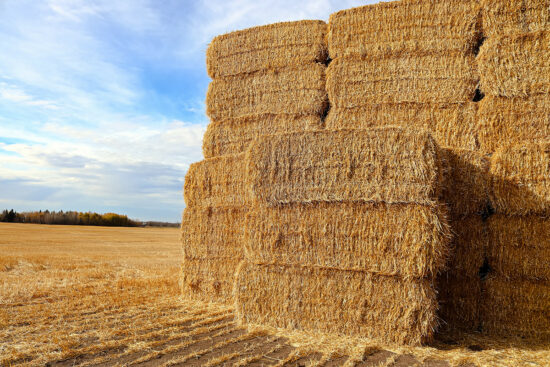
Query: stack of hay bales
(412, 63)
(268, 79)
(514, 122)
(347, 234)
(517, 294)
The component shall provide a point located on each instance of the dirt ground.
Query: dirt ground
(96, 296)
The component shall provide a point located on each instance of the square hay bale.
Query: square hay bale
(292, 90)
(465, 186)
(213, 232)
(516, 308)
(335, 301)
(505, 121)
(510, 17)
(389, 164)
(520, 179)
(354, 82)
(468, 247)
(406, 240)
(271, 46)
(217, 182)
(519, 246)
(459, 303)
(234, 136)
(515, 66)
(451, 125)
(209, 279)
(404, 27)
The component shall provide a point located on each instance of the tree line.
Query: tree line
(69, 218)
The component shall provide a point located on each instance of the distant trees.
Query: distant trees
(69, 218)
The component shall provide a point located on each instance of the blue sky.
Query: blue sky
(102, 101)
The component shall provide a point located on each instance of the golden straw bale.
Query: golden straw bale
(515, 66)
(459, 303)
(504, 121)
(468, 247)
(410, 26)
(296, 90)
(216, 182)
(451, 125)
(465, 186)
(213, 232)
(406, 240)
(235, 135)
(267, 47)
(209, 279)
(389, 164)
(354, 82)
(512, 16)
(519, 246)
(519, 308)
(352, 303)
(520, 179)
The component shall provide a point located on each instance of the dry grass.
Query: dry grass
(509, 17)
(91, 296)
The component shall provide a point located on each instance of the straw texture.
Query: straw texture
(354, 82)
(519, 247)
(509, 16)
(459, 303)
(520, 308)
(213, 232)
(505, 121)
(410, 26)
(267, 47)
(451, 125)
(407, 240)
(465, 186)
(233, 136)
(389, 165)
(217, 182)
(515, 66)
(385, 308)
(520, 179)
(296, 90)
(468, 247)
(209, 279)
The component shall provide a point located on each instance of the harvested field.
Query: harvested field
(390, 165)
(509, 17)
(267, 47)
(83, 296)
(503, 298)
(330, 300)
(354, 82)
(407, 240)
(217, 182)
(404, 27)
(466, 176)
(520, 183)
(452, 125)
(505, 121)
(234, 136)
(292, 90)
(519, 247)
(516, 65)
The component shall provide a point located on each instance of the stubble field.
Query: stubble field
(87, 296)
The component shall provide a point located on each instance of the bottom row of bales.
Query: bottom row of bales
(347, 232)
